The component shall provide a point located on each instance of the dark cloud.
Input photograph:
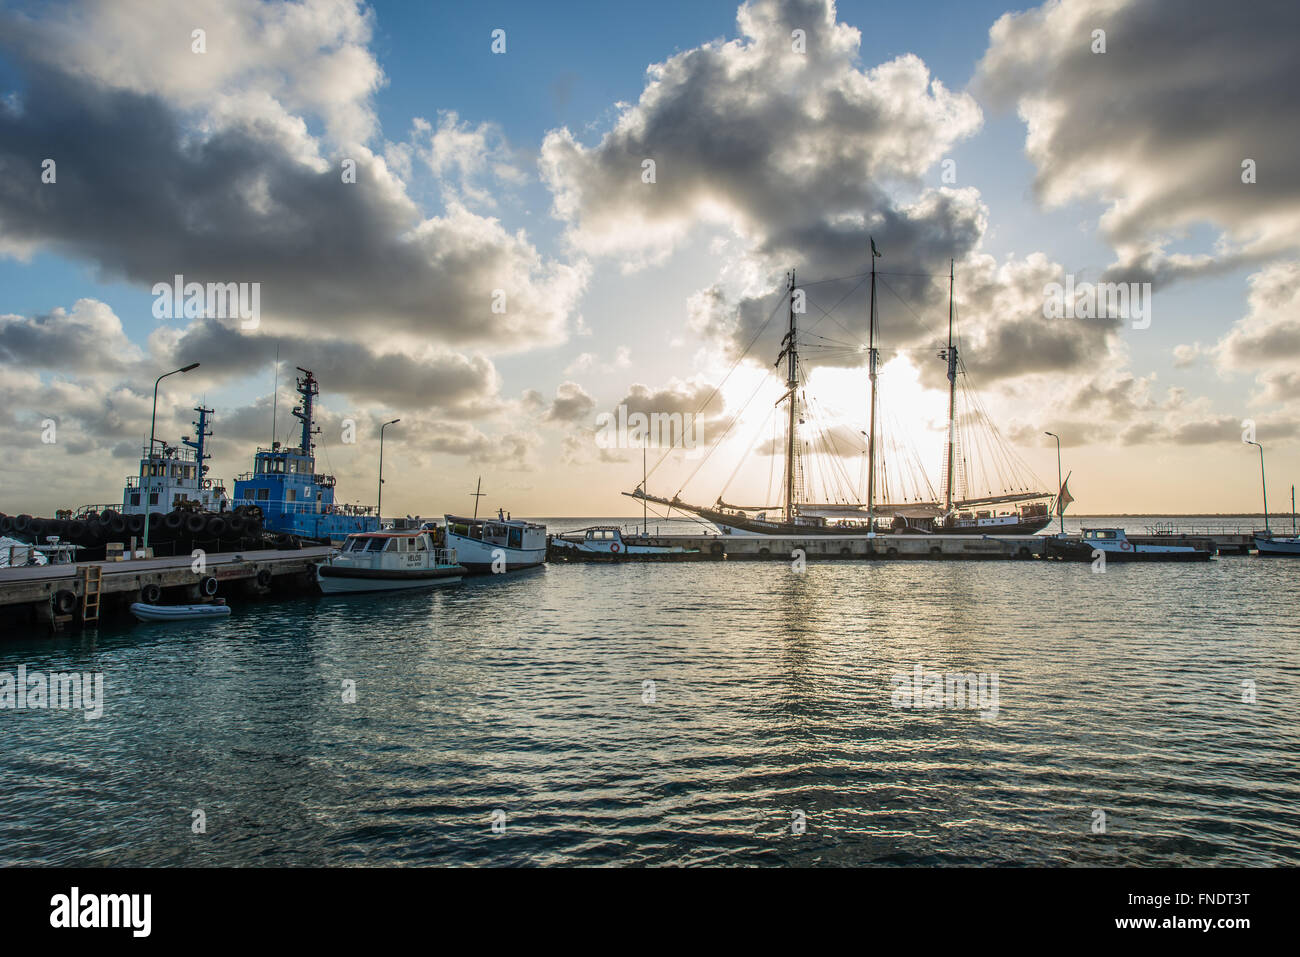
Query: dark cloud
(145, 197)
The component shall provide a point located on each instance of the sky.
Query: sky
(447, 214)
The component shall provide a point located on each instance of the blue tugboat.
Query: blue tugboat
(292, 495)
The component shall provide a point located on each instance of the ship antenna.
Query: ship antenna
(275, 394)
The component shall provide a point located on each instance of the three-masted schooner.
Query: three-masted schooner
(1018, 510)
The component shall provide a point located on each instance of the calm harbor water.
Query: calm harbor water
(772, 712)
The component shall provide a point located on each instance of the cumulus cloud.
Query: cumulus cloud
(149, 186)
(1159, 125)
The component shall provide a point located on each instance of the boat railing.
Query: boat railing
(284, 507)
(444, 556)
(1218, 528)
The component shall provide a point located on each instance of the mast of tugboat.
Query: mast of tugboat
(478, 493)
(199, 442)
(872, 355)
(951, 356)
(792, 383)
(308, 389)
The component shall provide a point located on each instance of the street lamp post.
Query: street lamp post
(1262, 483)
(153, 421)
(380, 507)
(1059, 483)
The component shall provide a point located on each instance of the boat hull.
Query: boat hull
(732, 525)
(1278, 546)
(1082, 552)
(334, 580)
(478, 556)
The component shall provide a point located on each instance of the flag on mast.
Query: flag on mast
(874, 253)
(1064, 498)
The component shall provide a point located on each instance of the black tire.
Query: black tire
(173, 521)
(75, 531)
(135, 524)
(208, 586)
(22, 524)
(6, 525)
(846, 551)
(217, 526)
(195, 523)
(891, 552)
(264, 577)
(935, 551)
(150, 593)
(1025, 552)
(117, 525)
(236, 524)
(762, 552)
(107, 515)
(65, 602)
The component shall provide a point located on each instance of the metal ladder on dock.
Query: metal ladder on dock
(92, 584)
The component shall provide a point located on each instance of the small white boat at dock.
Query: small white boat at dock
(1113, 543)
(608, 541)
(496, 544)
(389, 561)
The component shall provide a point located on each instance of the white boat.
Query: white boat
(608, 540)
(389, 561)
(1114, 544)
(146, 612)
(1269, 544)
(496, 544)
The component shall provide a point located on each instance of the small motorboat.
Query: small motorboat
(389, 561)
(216, 609)
(609, 542)
(1113, 543)
(1266, 543)
(500, 544)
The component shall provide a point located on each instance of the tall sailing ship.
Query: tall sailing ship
(1018, 508)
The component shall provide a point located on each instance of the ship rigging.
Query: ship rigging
(894, 495)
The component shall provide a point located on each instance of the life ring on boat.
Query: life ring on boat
(1125, 546)
(207, 483)
(614, 547)
(208, 586)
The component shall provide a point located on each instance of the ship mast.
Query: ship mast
(308, 389)
(951, 355)
(199, 443)
(790, 352)
(872, 356)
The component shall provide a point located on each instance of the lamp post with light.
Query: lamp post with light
(153, 421)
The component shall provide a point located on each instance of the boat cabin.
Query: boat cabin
(501, 531)
(170, 477)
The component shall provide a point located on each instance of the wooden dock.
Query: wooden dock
(59, 594)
